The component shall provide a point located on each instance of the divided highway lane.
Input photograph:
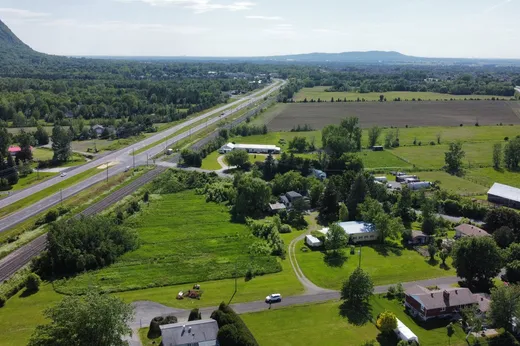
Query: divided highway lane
(124, 155)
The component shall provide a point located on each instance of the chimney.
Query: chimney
(431, 294)
(189, 330)
(481, 299)
(456, 291)
(446, 294)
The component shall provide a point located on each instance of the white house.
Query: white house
(312, 241)
(198, 333)
(251, 148)
(98, 129)
(357, 231)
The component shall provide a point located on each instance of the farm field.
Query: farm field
(382, 160)
(183, 239)
(454, 184)
(385, 266)
(398, 114)
(319, 92)
(280, 327)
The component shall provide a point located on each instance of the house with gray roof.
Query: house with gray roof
(194, 333)
(504, 195)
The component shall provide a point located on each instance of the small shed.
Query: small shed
(381, 179)
(276, 207)
(378, 148)
(405, 333)
(312, 241)
(419, 237)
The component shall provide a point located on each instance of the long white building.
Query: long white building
(357, 231)
(251, 148)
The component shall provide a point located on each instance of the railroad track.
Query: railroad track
(20, 257)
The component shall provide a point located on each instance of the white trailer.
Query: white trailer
(404, 333)
(312, 241)
(381, 179)
(419, 185)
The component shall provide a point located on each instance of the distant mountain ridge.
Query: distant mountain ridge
(369, 56)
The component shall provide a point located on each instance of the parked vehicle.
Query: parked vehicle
(273, 298)
(63, 174)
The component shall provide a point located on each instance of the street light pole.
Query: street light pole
(133, 158)
(61, 197)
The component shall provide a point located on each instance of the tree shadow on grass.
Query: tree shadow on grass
(445, 266)
(357, 315)
(432, 262)
(386, 250)
(335, 258)
(387, 339)
(27, 293)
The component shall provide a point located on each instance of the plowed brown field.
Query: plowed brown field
(399, 114)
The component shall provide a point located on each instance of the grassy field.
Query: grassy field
(31, 179)
(183, 240)
(42, 154)
(301, 325)
(35, 197)
(385, 266)
(478, 154)
(453, 183)
(268, 115)
(382, 160)
(312, 325)
(319, 92)
(488, 176)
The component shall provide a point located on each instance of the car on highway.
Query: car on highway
(273, 298)
(127, 168)
(63, 174)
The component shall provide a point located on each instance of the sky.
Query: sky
(426, 28)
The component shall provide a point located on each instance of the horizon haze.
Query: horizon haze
(481, 29)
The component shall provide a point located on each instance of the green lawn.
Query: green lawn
(453, 183)
(313, 324)
(183, 240)
(432, 156)
(319, 92)
(47, 192)
(210, 162)
(432, 333)
(382, 160)
(385, 267)
(488, 176)
(42, 154)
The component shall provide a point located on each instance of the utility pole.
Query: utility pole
(236, 287)
(61, 197)
(146, 160)
(133, 158)
(107, 172)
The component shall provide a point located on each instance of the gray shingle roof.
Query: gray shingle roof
(443, 298)
(189, 332)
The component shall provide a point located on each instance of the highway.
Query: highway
(123, 158)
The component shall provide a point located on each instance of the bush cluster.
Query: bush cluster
(232, 330)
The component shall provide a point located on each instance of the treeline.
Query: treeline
(88, 243)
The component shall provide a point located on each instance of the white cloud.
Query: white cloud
(284, 25)
(199, 6)
(269, 18)
(20, 14)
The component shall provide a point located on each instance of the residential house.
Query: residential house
(466, 230)
(289, 198)
(426, 304)
(276, 207)
(193, 333)
(15, 149)
(357, 231)
(419, 238)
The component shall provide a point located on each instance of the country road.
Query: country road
(123, 157)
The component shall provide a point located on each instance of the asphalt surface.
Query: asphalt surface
(20, 257)
(123, 157)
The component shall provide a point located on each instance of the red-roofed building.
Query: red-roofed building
(14, 149)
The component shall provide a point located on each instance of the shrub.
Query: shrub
(154, 331)
(386, 322)
(2, 301)
(285, 229)
(33, 283)
(52, 215)
(194, 315)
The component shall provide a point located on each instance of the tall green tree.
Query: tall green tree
(373, 135)
(26, 141)
(269, 168)
(237, 158)
(336, 238)
(497, 155)
(403, 208)
(505, 306)
(512, 153)
(94, 319)
(328, 204)
(357, 195)
(41, 136)
(358, 288)
(477, 260)
(252, 197)
(343, 212)
(5, 141)
(61, 141)
(428, 215)
(453, 158)
(388, 226)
